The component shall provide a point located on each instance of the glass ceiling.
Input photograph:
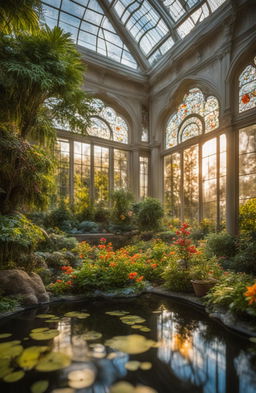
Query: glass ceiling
(134, 33)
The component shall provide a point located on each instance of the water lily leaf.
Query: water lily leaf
(39, 387)
(5, 368)
(122, 387)
(252, 339)
(79, 379)
(132, 319)
(45, 316)
(29, 357)
(132, 365)
(52, 320)
(145, 365)
(132, 344)
(145, 329)
(117, 313)
(63, 390)
(76, 314)
(5, 335)
(144, 389)
(92, 335)
(112, 355)
(14, 377)
(45, 335)
(39, 330)
(10, 349)
(53, 361)
(137, 326)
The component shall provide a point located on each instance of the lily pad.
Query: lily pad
(79, 379)
(137, 326)
(45, 335)
(252, 339)
(76, 314)
(30, 356)
(144, 389)
(92, 335)
(132, 365)
(5, 368)
(63, 390)
(52, 320)
(14, 377)
(145, 365)
(45, 316)
(39, 330)
(53, 361)
(122, 387)
(117, 313)
(132, 344)
(145, 329)
(132, 319)
(39, 386)
(5, 335)
(10, 349)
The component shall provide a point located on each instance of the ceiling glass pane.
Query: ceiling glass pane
(89, 27)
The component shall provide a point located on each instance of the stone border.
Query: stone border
(225, 319)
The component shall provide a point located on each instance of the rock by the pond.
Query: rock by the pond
(29, 287)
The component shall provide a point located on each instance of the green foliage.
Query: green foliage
(248, 216)
(166, 236)
(18, 236)
(149, 213)
(40, 81)
(203, 268)
(101, 214)
(19, 15)
(56, 242)
(26, 174)
(61, 217)
(176, 278)
(220, 244)
(229, 292)
(8, 303)
(88, 226)
(245, 260)
(121, 212)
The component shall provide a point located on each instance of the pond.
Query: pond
(144, 345)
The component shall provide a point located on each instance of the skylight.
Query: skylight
(134, 33)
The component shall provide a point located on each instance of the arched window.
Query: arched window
(108, 124)
(194, 116)
(247, 87)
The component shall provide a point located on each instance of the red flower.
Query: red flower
(69, 283)
(59, 281)
(132, 275)
(139, 279)
(154, 265)
(245, 99)
(113, 264)
(103, 240)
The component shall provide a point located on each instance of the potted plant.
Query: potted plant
(204, 274)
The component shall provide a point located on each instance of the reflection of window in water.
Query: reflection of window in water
(190, 356)
(247, 377)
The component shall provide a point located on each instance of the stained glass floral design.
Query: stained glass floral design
(194, 103)
(247, 88)
(108, 124)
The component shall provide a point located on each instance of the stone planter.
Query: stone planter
(201, 287)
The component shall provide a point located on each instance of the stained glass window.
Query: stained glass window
(247, 88)
(182, 125)
(108, 124)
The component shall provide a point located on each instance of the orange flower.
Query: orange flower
(154, 265)
(251, 294)
(69, 282)
(139, 279)
(132, 275)
(172, 253)
(113, 264)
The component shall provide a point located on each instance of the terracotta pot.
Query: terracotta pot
(201, 287)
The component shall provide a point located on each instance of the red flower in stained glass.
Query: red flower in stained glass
(245, 99)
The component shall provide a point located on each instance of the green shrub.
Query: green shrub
(101, 214)
(245, 260)
(166, 236)
(149, 213)
(56, 242)
(61, 217)
(8, 303)
(121, 212)
(88, 226)
(18, 237)
(229, 293)
(220, 245)
(176, 278)
(248, 216)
